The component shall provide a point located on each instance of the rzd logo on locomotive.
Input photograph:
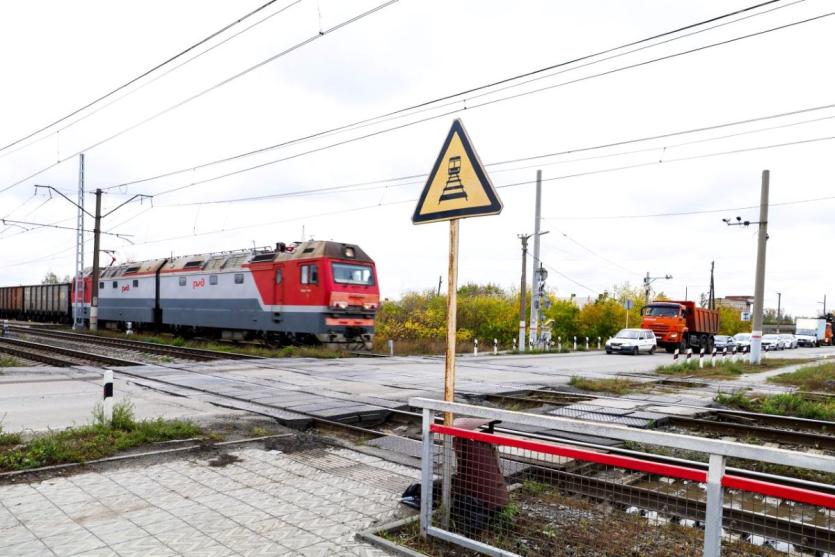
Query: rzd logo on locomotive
(198, 283)
(126, 288)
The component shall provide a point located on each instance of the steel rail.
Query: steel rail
(77, 354)
(199, 354)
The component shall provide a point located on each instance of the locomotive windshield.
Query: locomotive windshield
(345, 273)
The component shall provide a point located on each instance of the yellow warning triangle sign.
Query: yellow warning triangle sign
(458, 186)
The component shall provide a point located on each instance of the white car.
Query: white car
(789, 341)
(772, 342)
(632, 341)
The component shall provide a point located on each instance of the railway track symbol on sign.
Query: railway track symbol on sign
(457, 186)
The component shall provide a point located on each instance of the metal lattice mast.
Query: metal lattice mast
(78, 299)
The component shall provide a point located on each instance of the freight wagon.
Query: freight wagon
(41, 302)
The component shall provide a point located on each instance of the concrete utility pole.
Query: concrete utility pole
(779, 297)
(94, 300)
(535, 267)
(522, 288)
(759, 281)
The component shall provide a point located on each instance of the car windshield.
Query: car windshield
(741, 336)
(353, 274)
(628, 333)
(771, 337)
(721, 338)
(807, 332)
(661, 311)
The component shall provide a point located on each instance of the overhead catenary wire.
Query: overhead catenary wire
(204, 92)
(142, 75)
(392, 182)
(361, 123)
(435, 117)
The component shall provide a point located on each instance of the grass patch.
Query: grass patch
(9, 439)
(819, 378)
(786, 404)
(96, 440)
(726, 369)
(618, 386)
(9, 361)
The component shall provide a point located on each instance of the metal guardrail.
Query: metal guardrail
(752, 509)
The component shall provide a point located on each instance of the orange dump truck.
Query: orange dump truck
(681, 325)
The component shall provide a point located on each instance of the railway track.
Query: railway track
(744, 425)
(197, 354)
(56, 355)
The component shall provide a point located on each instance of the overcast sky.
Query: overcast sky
(58, 56)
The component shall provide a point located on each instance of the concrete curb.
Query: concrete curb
(370, 536)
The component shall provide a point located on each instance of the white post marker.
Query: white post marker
(675, 355)
(733, 354)
(475, 347)
(514, 345)
(391, 347)
(702, 358)
(724, 354)
(495, 346)
(713, 358)
(107, 395)
(575, 343)
(587, 343)
(559, 344)
(598, 343)
(129, 327)
(689, 354)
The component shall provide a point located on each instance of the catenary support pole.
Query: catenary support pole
(94, 300)
(759, 281)
(522, 293)
(534, 320)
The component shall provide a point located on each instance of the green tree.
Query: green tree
(563, 318)
(52, 278)
(731, 323)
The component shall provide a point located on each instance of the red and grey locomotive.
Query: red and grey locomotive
(310, 292)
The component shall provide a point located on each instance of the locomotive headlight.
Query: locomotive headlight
(370, 305)
(341, 305)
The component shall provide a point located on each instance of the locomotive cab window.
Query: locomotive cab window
(115, 284)
(213, 279)
(278, 276)
(101, 286)
(345, 273)
(239, 278)
(182, 281)
(309, 274)
(136, 284)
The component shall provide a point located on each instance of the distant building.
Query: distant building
(741, 303)
(580, 301)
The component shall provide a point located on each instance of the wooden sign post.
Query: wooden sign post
(457, 187)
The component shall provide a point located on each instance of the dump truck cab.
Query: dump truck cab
(680, 324)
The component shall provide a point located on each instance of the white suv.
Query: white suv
(632, 341)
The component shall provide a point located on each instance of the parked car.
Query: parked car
(789, 340)
(632, 341)
(742, 341)
(724, 341)
(772, 342)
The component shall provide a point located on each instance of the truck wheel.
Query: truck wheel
(670, 349)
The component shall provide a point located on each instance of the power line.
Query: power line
(419, 105)
(143, 74)
(594, 253)
(46, 225)
(200, 94)
(385, 183)
(566, 277)
(434, 117)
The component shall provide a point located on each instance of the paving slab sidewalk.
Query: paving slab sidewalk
(307, 503)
